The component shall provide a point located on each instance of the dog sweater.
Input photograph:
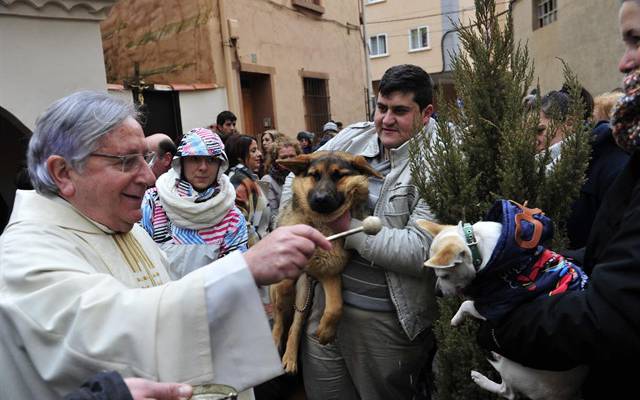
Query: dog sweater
(519, 268)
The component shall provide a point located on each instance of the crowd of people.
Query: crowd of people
(149, 258)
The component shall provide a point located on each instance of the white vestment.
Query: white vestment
(75, 300)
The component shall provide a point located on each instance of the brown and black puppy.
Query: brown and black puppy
(326, 186)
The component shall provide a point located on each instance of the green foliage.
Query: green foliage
(486, 150)
(457, 355)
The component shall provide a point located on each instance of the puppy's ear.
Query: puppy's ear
(297, 165)
(362, 166)
(430, 227)
(449, 254)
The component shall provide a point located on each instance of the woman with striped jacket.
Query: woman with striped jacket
(191, 212)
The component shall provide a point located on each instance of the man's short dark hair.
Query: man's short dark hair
(224, 117)
(407, 78)
(167, 146)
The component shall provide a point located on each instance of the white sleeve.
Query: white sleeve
(242, 347)
(208, 326)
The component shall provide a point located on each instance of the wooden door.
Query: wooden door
(247, 112)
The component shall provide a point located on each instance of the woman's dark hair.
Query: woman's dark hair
(237, 148)
(555, 104)
(587, 100)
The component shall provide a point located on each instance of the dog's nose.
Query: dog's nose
(323, 202)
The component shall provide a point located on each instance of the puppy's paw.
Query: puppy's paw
(476, 376)
(483, 382)
(325, 335)
(290, 363)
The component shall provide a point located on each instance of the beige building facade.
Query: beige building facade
(284, 64)
(417, 32)
(583, 33)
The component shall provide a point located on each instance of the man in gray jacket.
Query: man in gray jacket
(384, 342)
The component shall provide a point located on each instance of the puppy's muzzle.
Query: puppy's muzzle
(325, 202)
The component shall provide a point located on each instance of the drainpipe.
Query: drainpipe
(367, 62)
(509, 11)
(230, 74)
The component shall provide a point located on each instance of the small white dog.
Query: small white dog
(460, 254)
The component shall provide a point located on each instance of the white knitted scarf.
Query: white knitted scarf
(184, 212)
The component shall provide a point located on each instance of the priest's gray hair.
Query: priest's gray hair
(72, 127)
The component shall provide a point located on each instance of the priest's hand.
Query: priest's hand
(284, 253)
(143, 389)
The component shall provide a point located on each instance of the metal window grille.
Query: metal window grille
(419, 38)
(316, 103)
(547, 12)
(378, 45)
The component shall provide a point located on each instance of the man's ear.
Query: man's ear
(166, 159)
(60, 172)
(426, 114)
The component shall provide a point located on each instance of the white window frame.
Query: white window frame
(428, 44)
(386, 46)
(545, 18)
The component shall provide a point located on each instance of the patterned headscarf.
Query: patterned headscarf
(625, 121)
(185, 206)
(199, 142)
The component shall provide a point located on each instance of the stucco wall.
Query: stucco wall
(275, 34)
(585, 35)
(45, 59)
(169, 39)
(197, 107)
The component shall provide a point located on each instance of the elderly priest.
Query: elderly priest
(84, 289)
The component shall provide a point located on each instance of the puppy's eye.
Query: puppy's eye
(315, 175)
(336, 175)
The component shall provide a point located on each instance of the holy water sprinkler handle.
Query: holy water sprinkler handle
(370, 226)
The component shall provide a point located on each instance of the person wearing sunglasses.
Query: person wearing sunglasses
(84, 288)
(191, 211)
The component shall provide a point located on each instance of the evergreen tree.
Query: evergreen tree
(486, 150)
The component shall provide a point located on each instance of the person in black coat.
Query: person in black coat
(600, 326)
(607, 161)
